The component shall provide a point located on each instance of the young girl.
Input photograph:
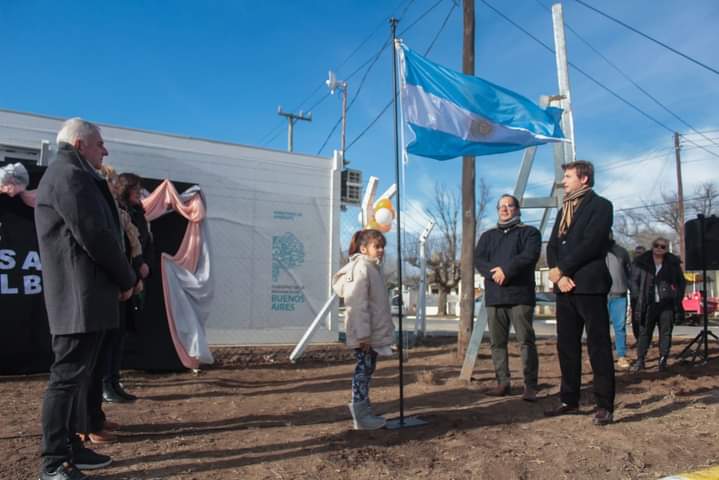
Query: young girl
(368, 320)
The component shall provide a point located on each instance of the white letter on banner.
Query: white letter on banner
(4, 287)
(7, 259)
(33, 284)
(32, 261)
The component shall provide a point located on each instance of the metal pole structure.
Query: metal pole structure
(420, 323)
(560, 48)
(402, 422)
(469, 221)
(680, 196)
(344, 122)
(291, 119)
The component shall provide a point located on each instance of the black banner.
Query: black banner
(25, 340)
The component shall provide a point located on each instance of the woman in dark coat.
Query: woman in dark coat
(659, 283)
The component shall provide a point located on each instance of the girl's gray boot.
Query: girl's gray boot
(362, 417)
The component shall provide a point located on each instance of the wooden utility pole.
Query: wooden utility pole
(680, 196)
(469, 221)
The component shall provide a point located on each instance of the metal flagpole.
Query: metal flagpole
(401, 422)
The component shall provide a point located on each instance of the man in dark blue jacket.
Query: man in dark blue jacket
(506, 256)
(576, 255)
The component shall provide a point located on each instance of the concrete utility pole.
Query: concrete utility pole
(333, 84)
(469, 221)
(291, 119)
(680, 196)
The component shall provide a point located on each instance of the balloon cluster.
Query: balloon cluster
(382, 216)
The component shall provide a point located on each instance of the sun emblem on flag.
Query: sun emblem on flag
(480, 128)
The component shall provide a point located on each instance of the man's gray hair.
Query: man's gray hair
(76, 129)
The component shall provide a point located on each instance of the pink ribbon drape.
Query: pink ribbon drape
(162, 199)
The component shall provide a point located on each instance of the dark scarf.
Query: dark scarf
(570, 205)
(512, 222)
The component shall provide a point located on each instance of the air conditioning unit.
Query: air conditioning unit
(351, 187)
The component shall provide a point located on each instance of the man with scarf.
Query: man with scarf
(506, 256)
(576, 255)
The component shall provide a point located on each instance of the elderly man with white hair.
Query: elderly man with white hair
(85, 272)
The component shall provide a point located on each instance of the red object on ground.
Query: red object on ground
(693, 303)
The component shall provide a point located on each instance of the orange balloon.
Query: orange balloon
(383, 203)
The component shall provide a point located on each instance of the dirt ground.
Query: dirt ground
(280, 421)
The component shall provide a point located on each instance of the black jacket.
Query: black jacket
(83, 264)
(137, 214)
(516, 250)
(581, 254)
(669, 282)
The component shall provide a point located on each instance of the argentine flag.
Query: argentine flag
(452, 114)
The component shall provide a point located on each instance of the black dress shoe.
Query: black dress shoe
(110, 395)
(562, 409)
(603, 417)
(637, 366)
(663, 364)
(120, 389)
(65, 471)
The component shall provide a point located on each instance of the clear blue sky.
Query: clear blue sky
(219, 69)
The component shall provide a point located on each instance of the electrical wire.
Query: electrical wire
(389, 104)
(629, 27)
(272, 133)
(628, 78)
(589, 77)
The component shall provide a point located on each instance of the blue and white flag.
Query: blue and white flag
(452, 114)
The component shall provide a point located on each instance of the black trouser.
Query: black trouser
(664, 316)
(94, 419)
(636, 327)
(574, 313)
(499, 318)
(65, 401)
(115, 344)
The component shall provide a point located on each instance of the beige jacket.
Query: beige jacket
(368, 318)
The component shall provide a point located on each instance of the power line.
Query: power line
(356, 95)
(628, 78)
(389, 104)
(322, 85)
(589, 77)
(674, 50)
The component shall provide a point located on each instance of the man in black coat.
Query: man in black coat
(506, 256)
(576, 255)
(85, 272)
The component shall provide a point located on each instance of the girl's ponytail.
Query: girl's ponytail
(355, 243)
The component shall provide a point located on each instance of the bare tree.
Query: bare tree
(443, 258)
(706, 199)
(641, 226)
(443, 247)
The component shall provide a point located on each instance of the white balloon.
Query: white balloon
(384, 216)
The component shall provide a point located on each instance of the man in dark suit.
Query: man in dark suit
(576, 255)
(85, 272)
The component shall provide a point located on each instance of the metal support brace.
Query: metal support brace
(470, 359)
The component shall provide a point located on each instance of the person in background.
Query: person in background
(636, 329)
(369, 327)
(619, 267)
(659, 283)
(84, 272)
(98, 429)
(127, 187)
(506, 257)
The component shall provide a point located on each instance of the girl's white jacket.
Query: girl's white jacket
(368, 318)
